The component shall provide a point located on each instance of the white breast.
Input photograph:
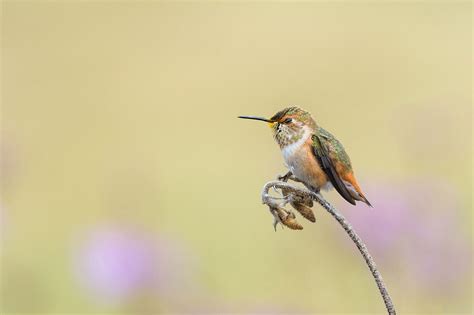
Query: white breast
(290, 150)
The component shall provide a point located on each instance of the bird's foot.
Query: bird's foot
(285, 177)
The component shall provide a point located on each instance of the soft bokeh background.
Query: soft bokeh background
(128, 184)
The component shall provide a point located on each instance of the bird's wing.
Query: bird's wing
(322, 149)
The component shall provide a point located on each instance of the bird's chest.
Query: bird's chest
(301, 161)
(296, 158)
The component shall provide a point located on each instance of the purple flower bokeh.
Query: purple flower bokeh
(115, 264)
(417, 230)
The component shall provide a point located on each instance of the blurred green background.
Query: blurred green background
(128, 184)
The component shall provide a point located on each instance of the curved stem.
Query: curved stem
(267, 199)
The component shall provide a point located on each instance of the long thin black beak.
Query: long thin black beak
(256, 118)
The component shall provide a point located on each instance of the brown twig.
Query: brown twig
(287, 218)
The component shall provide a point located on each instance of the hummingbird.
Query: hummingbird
(312, 154)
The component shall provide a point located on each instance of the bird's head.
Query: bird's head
(288, 125)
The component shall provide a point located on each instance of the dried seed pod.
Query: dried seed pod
(308, 202)
(305, 211)
(285, 192)
(298, 198)
(288, 219)
(281, 213)
(303, 200)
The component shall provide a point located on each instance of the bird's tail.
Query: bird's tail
(363, 199)
(355, 190)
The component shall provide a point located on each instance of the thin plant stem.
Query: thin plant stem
(303, 192)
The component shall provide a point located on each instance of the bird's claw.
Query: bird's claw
(285, 177)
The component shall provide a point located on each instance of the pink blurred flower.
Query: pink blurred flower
(416, 229)
(116, 264)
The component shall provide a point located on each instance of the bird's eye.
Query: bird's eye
(287, 121)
